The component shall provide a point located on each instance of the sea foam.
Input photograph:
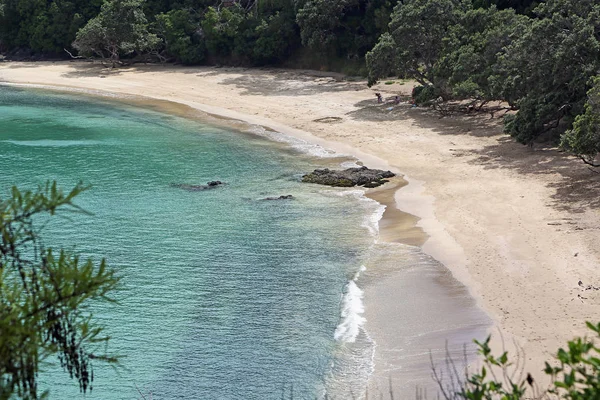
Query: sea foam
(298, 144)
(371, 219)
(352, 310)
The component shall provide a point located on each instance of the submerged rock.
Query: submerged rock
(197, 188)
(284, 197)
(362, 176)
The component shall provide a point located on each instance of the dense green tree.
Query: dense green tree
(43, 26)
(416, 41)
(277, 37)
(584, 138)
(44, 297)
(319, 20)
(262, 34)
(181, 33)
(540, 65)
(473, 48)
(119, 29)
(545, 73)
(347, 28)
(520, 6)
(220, 28)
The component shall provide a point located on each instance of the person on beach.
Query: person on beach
(379, 98)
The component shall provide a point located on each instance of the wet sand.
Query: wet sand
(416, 311)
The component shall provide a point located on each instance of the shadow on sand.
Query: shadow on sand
(576, 187)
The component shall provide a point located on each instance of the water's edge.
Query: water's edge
(353, 326)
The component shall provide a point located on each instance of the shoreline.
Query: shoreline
(394, 227)
(494, 229)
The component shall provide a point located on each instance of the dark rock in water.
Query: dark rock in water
(285, 197)
(362, 176)
(197, 188)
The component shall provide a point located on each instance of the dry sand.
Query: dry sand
(518, 226)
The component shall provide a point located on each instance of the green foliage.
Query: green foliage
(248, 32)
(417, 41)
(220, 29)
(44, 26)
(473, 48)
(545, 73)
(264, 35)
(424, 95)
(520, 6)
(446, 44)
(584, 138)
(44, 297)
(276, 37)
(319, 20)
(381, 61)
(578, 376)
(347, 28)
(541, 65)
(484, 385)
(181, 35)
(119, 29)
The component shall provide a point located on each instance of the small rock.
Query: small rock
(284, 197)
(197, 188)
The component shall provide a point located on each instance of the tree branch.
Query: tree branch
(71, 54)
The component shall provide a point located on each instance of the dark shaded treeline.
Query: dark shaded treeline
(250, 32)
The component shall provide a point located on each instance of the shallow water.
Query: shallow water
(225, 295)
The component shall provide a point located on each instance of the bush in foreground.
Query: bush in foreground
(44, 297)
(576, 377)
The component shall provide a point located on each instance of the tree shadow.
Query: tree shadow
(96, 68)
(475, 124)
(576, 187)
(289, 82)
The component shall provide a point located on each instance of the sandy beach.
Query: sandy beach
(519, 227)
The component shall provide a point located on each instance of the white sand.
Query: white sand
(518, 227)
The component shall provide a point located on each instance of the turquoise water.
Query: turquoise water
(225, 295)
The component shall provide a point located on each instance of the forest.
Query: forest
(540, 58)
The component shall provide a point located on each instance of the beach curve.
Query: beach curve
(499, 228)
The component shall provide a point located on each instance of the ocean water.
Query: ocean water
(225, 295)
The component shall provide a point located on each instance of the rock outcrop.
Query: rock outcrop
(284, 197)
(197, 188)
(362, 176)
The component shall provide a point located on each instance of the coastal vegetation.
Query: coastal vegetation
(539, 61)
(575, 375)
(44, 297)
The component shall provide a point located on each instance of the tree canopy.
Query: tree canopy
(584, 138)
(119, 29)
